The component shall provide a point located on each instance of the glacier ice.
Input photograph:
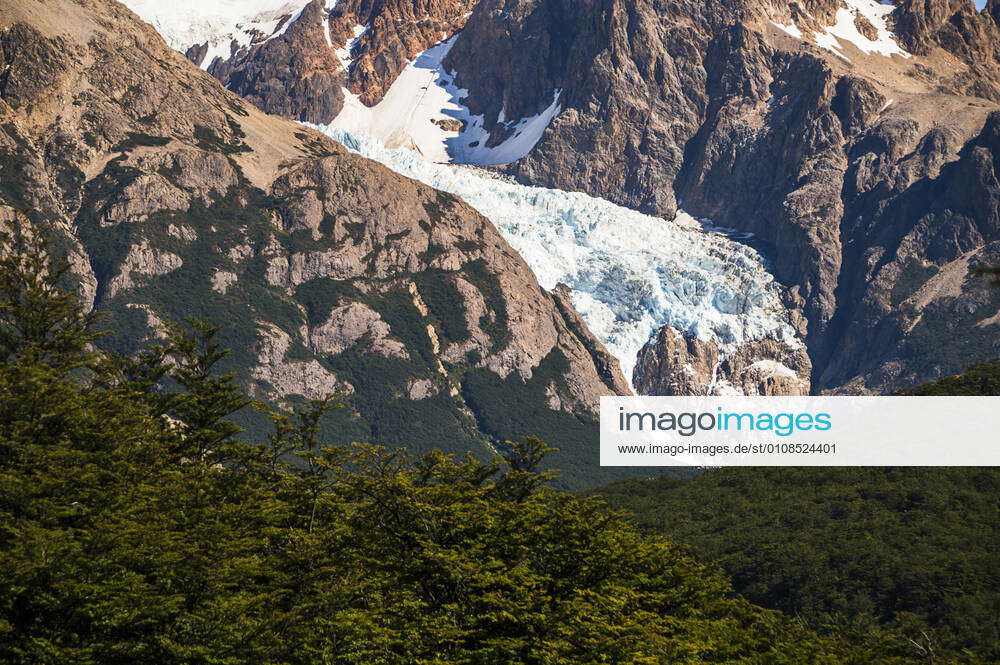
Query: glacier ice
(217, 23)
(630, 273)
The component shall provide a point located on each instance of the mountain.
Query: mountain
(172, 197)
(855, 140)
(281, 54)
(628, 274)
(859, 140)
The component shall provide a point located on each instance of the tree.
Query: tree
(136, 527)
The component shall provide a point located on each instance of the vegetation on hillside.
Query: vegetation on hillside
(136, 526)
(911, 552)
(981, 379)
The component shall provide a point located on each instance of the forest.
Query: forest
(138, 526)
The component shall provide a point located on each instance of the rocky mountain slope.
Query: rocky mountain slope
(386, 35)
(857, 139)
(173, 197)
(293, 57)
(854, 139)
(631, 275)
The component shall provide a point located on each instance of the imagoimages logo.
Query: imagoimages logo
(690, 423)
(800, 431)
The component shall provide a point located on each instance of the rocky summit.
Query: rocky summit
(172, 197)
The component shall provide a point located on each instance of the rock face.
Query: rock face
(957, 28)
(676, 364)
(395, 31)
(296, 75)
(173, 197)
(299, 74)
(866, 166)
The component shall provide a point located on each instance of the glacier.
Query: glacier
(630, 274)
(219, 24)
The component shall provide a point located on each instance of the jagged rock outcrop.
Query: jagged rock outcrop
(295, 75)
(755, 115)
(395, 31)
(607, 365)
(329, 272)
(957, 27)
(674, 363)
(298, 73)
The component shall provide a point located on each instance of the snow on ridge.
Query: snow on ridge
(875, 12)
(344, 53)
(218, 23)
(630, 273)
(422, 106)
(791, 29)
(845, 29)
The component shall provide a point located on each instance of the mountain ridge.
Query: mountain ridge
(856, 108)
(173, 198)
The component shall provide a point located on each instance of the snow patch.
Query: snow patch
(845, 29)
(217, 23)
(875, 12)
(791, 29)
(344, 52)
(630, 273)
(422, 111)
(471, 148)
(774, 368)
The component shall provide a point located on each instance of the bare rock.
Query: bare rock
(865, 27)
(295, 74)
(395, 32)
(422, 389)
(351, 324)
(607, 365)
(142, 261)
(146, 195)
(281, 377)
(676, 364)
(222, 280)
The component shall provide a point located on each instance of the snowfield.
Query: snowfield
(420, 105)
(185, 23)
(630, 273)
(845, 29)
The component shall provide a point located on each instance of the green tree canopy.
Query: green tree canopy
(137, 527)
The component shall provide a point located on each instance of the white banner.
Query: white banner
(800, 431)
